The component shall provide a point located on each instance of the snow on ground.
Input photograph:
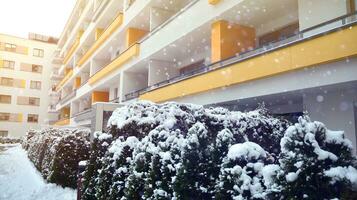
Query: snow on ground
(19, 179)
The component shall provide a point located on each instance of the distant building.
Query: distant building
(25, 69)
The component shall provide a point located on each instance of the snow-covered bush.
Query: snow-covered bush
(241, 173)
(316, 163)
(8, 140)
(98, 147)
(56, 153)
(165, 151)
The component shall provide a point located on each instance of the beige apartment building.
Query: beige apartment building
(25, 70)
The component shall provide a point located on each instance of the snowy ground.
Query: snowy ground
(19, 179)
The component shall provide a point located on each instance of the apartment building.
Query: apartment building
(294, 56)
(25, 69)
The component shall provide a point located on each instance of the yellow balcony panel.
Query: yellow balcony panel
(214, 2)
(71, 51)
(98, 33)
(327, 48)
(64, 80)
(102, 38)
(62, 122)
(115, 64)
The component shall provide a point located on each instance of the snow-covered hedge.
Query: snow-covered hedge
(181, 151)
(7, 140)
(56, 153)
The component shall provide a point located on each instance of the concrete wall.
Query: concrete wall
(335, 108)
(161, 70)
(313, 12)
(159, 16)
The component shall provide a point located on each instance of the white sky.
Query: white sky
(47, 17)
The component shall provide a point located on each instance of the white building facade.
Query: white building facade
(296, 56)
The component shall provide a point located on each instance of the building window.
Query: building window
(37, 68)
(35, 85)
(8, 64)
(31, 67)
(10, 47)
(4, 116)
(34, 101)
(7, 81)
(31, 101)
(5, 99)
(4, 133)
(32, 118)
(38, 52)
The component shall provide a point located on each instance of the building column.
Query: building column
(230, 39)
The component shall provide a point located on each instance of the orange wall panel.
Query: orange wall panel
(133, 35)
(98, 96)
(230, 39)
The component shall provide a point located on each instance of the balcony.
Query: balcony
(294, 52)
(83, 115)
(67, 98)
(62, 122)
(55, 76)
(51, 109)
(64, 80)
(71, 51)
(104, 36)
(123, 58)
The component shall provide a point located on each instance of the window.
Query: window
(5, 99)
(7, 81)
(37, 68)
(34, 101)
(31, 67)
(4, 133)
(4, 116)
(10, 47)
(8, 64)
(38, 52)
(32, 118)
(31, 101)
(35, 85)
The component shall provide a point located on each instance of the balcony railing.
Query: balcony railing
(116, 100)
(346, 20)
(65, 99)
(83, 115)
(62, 122)
(116, 63)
